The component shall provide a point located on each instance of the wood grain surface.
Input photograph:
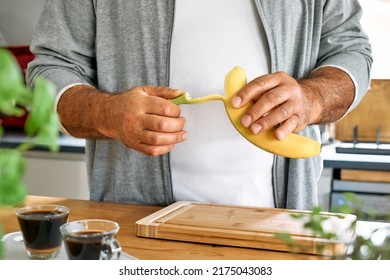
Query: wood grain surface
(365, 175)
(147, 248)
(251, 227)
(372, 113)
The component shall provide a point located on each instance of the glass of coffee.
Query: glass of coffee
(40, 227)
(91, 239)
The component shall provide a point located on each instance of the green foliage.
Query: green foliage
(1, 243)
(12, 187)
(13, 92)
(41, 128)
(288, 240)
(368, 248)
(314, 223)
(376, 246)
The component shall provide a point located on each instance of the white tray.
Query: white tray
(15, 250)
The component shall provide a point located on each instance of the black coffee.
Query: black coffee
(87, 248)
(41, 229)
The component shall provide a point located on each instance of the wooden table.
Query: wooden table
(144, 248)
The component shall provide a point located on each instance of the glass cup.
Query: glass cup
(40, 227)
(91, 240)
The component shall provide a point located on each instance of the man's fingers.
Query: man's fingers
(256, 88)
(162, 124)
(154, 150)
(159, 106)
(267, 103)
(279, 115)
(161, 139)
(163, 92)
(288, 126)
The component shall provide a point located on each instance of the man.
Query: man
(115, 64)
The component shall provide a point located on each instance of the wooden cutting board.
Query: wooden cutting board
(250, 227)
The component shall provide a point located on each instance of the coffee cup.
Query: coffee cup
(40, 227)
(91, 239)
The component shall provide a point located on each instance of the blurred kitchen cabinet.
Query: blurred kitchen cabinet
(59, 175)
(370, 118)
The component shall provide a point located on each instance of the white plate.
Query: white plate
(15, 250)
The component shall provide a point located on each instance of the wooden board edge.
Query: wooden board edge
(145, 226)
(306, 245)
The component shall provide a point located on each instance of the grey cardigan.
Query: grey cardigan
(116, 45)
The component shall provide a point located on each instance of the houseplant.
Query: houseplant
(374, 245)
(41, 126)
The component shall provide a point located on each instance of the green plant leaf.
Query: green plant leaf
(10, 73)
(42, 122)
(286, 237)
(13, 93)
(361, 248)
(1, 244)
(41, 107)
(12, 188)
(11, 162)
(42, 127)
(297, 215)
(14, 192)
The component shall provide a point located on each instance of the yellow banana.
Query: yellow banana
(293, 146)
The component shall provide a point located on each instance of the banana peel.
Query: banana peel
(293, 146)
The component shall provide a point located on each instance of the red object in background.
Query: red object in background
(23, 57)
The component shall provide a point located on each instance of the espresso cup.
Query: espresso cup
(40, 227)
(91, 240)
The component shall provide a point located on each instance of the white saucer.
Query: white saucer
(14, 249)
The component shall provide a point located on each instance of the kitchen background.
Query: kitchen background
(64, 174)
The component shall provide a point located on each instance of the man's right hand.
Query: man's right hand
(141, 118)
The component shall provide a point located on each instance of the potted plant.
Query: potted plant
(374, 245)
(41, 126)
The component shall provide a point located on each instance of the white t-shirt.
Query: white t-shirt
(216, 164)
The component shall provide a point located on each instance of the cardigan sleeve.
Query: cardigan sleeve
(344, 44)
(63, 44)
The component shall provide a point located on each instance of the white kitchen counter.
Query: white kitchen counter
(62, 174)
(333, 159)
(66, 143)
(374, 196)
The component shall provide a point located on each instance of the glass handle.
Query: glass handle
(111, 249)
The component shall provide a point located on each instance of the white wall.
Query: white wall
(376, 22)
(18, 19)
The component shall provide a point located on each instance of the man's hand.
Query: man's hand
(146, 122)
(291, 105)
(141, 118)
